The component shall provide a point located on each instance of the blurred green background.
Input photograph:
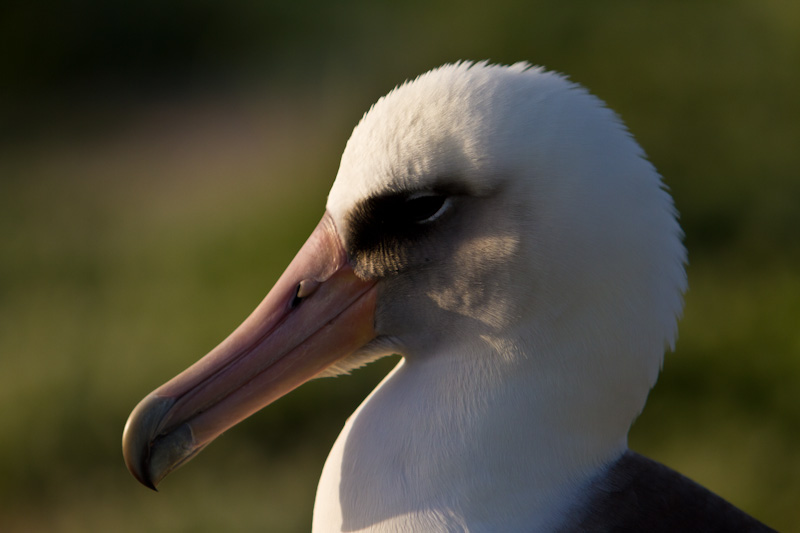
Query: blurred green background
(161, 162)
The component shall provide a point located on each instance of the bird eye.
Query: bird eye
(425, 208)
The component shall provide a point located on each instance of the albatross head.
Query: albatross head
(507, 211)
(499, 228)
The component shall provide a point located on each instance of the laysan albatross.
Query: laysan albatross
(499, 228)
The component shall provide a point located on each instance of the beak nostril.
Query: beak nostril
(305, 288)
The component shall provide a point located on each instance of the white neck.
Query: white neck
(426, 448)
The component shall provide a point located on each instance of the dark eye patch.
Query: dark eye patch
(381, 228)
(424, 208)
(391, 217)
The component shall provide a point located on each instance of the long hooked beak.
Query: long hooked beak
(317, 313)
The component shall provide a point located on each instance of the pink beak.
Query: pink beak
(316, 314)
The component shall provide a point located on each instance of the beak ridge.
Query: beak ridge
(283, 343)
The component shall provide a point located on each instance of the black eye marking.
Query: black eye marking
(424, 208)
(382, 230)
(394, 217)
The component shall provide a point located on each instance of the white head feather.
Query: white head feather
(533, 321)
